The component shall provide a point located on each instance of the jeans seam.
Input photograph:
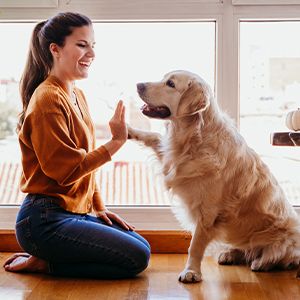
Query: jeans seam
(24, 225)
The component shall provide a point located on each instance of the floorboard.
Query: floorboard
(159, 281)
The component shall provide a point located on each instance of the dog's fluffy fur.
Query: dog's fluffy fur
(225, 189)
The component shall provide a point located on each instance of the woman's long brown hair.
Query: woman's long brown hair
(40, 60)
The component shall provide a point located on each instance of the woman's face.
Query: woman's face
(75, 57)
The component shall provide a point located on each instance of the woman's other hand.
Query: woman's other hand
(108, 216)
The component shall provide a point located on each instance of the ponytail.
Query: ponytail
(35, 72)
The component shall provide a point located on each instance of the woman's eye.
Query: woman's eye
(170, 83)
(81, 45)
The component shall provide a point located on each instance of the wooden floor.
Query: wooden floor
(159, 281)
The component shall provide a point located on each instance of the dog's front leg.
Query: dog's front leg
(192, 270)
(149, 139)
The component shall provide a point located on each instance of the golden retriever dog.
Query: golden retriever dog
(225, 190)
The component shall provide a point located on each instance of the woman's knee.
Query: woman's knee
(144, 259)
(141, 258)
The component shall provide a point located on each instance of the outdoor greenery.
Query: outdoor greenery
(8, 120)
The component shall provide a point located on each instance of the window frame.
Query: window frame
(265, 2)
(28, 3)
(227, 17)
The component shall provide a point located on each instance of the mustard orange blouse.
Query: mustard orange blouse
(59, 156)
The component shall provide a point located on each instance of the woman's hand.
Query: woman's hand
(118, 129)
(107, 216)
(117, 124)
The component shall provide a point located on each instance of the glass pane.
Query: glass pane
(269, 89)
(13, 55)
(126, 53)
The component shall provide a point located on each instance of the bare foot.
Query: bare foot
(23, 262)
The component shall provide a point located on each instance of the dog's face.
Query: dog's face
(179, 94)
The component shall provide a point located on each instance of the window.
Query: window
(269, 89)
(126, 53)
(12, 60)
(224, 20)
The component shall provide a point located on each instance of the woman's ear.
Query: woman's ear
(54, 49)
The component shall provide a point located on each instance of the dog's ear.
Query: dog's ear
(194, 99)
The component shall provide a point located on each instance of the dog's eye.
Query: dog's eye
(170, 83)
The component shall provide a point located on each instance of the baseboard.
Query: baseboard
(165, 241)
(8, 242)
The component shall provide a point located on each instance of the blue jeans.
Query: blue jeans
(78, 245)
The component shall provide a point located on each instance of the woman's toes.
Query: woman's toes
(24, 263)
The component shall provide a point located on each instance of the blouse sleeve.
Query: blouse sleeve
(57, 153)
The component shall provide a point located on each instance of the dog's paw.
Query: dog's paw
(232, 257)
(189, 276)
(225, 258)
(131, 133)
(258, 266)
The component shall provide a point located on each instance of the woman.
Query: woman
(59, 160)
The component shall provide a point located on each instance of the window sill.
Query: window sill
(152, 227)
(156, 224)
(143, 218)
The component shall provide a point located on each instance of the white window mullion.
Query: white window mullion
(227, 62)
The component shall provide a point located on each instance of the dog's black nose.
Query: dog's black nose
(141, 87)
